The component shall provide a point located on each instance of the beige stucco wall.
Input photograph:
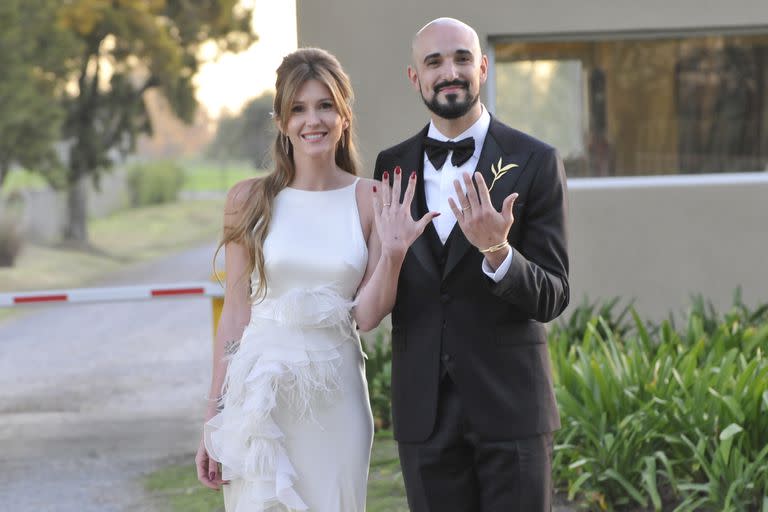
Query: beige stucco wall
(657, 244)
(662, 241)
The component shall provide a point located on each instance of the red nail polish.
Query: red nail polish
(413, 174)
(385, 175)
(397, 170)
(374, 188)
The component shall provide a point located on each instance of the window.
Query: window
(628, 107)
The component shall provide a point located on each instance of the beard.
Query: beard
(454, 108)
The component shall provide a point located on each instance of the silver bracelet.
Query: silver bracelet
(231, 346)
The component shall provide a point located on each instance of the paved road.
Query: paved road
(94, 396)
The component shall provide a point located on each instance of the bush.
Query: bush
(10, 243)
(660, 418)
(580, 317)
(155, 183)
(378, 372)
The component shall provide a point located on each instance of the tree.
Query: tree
(127, 48)
(246, 136)
(33, 66)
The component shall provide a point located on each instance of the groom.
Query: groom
(472, 398)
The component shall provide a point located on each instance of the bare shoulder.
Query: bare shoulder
(364, 189)
(237, 200)
(238, 195)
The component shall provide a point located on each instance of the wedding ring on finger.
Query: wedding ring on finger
(465, 208)
(387, 204)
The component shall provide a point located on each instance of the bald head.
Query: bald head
(441, 28)
(448, 69)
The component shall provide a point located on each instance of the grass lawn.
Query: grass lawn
(214, 176)
(175, 488)
(20, 179)
(199, 176)
(126, 237)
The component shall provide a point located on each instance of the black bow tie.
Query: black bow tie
(437, 151)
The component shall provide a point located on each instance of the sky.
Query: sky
(226, 84)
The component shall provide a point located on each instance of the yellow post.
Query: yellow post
(217, 303)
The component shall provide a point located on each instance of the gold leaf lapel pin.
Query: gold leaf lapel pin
(498, 171)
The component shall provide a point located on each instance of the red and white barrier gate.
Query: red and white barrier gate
(113, 294)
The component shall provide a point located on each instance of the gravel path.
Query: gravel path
(94, 396)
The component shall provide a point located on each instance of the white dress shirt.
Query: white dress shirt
(438, 185)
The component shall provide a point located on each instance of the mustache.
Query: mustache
(453, 83)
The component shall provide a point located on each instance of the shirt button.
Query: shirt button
(446, 357)
(445, 298)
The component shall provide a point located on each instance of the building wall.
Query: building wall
(661, 240)
(658, 243)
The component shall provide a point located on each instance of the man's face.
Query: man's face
(448, 69)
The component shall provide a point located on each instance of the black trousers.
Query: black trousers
(456, 471)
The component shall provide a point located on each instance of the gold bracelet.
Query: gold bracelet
(495, 248)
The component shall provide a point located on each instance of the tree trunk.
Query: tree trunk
(4, 168)
(76, 229)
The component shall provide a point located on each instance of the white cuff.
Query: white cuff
(502, 270)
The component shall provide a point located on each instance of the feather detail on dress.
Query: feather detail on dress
(276, 366)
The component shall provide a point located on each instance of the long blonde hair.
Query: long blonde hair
(253, 218)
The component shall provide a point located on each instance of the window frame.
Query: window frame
(699, 179)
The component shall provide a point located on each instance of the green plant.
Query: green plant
(154, 183)
(663, 419)
(578, 319)
(378, 372)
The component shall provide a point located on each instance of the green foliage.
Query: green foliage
(579, 318)
(210, 176)
(155, 183)
(33, 63)
(21, 179)
(247, 136)
(148, 44)
(378, 372)
(660, 418)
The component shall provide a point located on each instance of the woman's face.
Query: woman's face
(315, 125)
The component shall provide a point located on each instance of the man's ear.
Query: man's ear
(413, 77)
(483, 69)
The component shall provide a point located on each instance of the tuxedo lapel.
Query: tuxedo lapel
(489, 157)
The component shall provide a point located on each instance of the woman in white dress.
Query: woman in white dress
(311, 251)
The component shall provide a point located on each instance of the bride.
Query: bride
(312, 251)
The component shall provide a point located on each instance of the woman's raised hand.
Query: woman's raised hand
(396, 227)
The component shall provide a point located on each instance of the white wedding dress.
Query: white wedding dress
(295, 431)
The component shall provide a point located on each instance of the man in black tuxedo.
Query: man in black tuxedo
(472, 398)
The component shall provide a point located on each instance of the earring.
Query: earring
(286, 142)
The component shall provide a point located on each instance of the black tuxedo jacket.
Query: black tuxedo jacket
(493, 332)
